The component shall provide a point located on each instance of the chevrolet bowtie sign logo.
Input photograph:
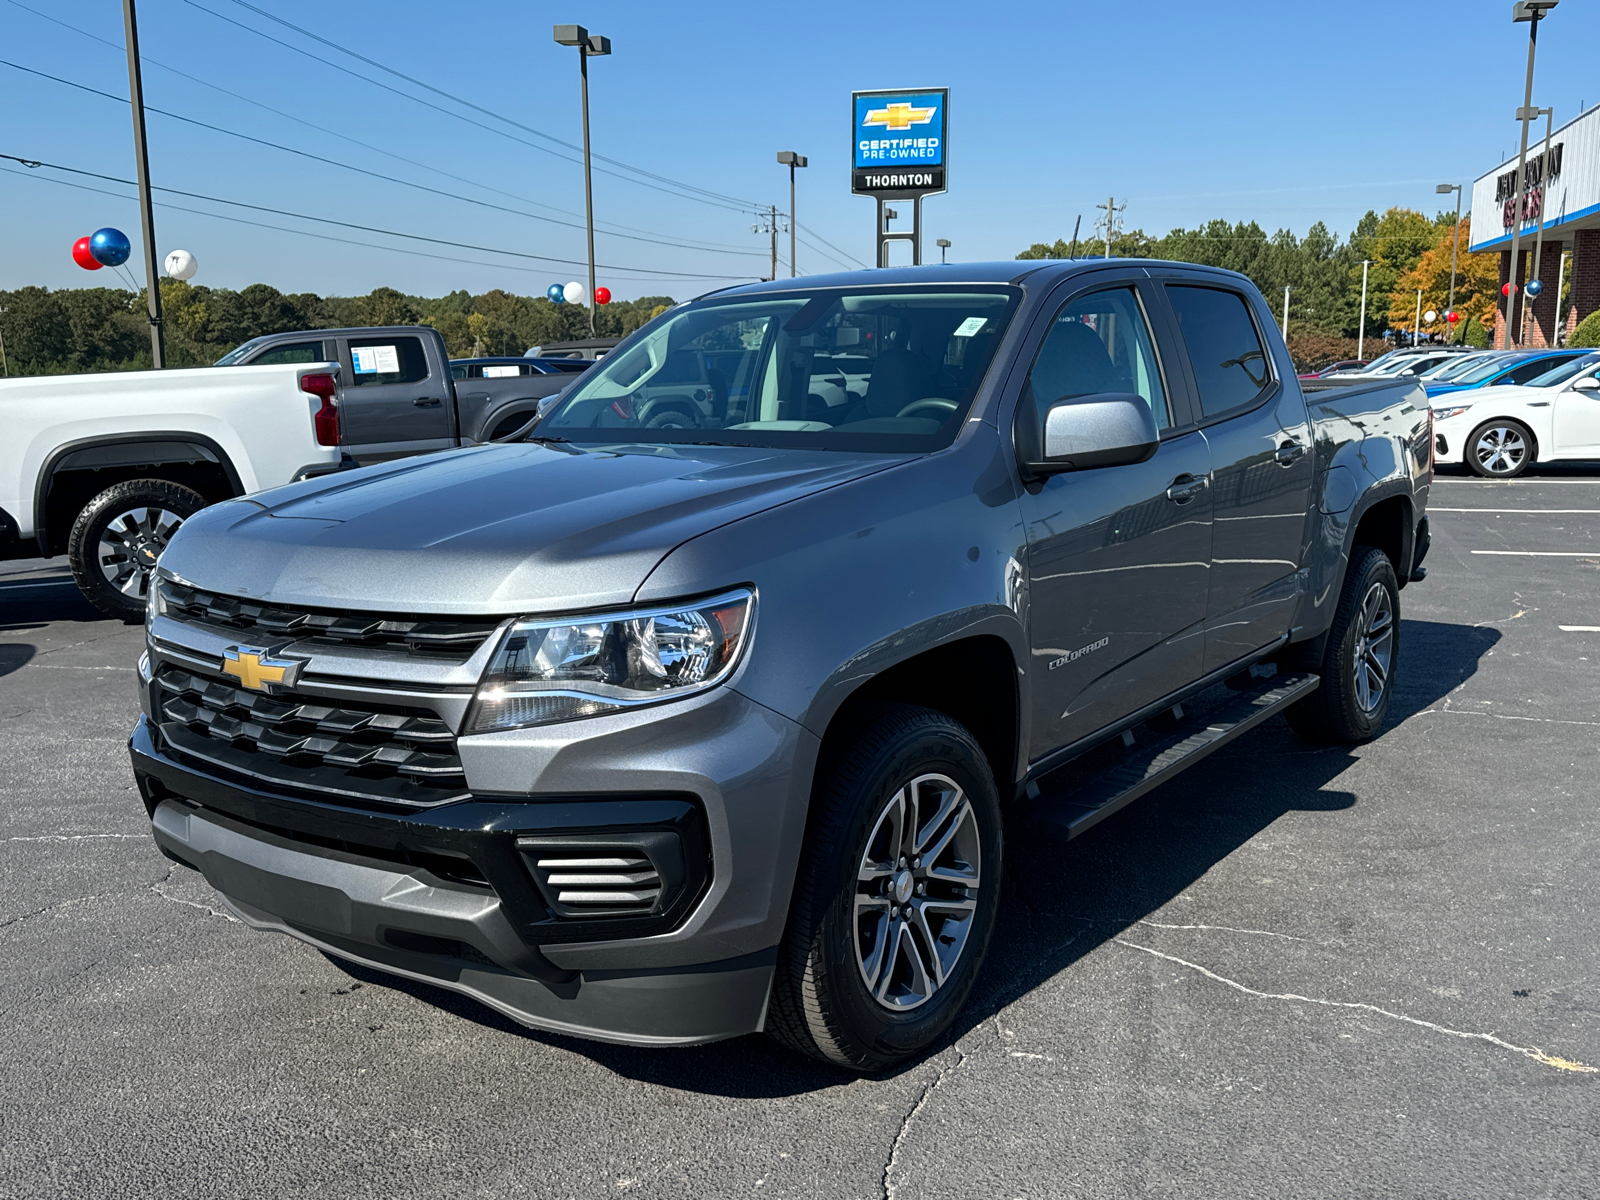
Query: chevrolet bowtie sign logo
(257, 670)
(899, 117)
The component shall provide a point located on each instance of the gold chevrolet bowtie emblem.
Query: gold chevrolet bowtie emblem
(258, 670)
(898, 117)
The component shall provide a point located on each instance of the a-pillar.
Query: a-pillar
(1542, 312)
(1585, 270)
(1506, 305)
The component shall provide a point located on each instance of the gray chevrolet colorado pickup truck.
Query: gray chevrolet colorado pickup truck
(663, 735)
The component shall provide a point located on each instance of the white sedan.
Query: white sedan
(1498, 432)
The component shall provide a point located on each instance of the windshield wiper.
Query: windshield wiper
(543, 438)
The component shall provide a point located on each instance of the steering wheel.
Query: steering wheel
(930, 402)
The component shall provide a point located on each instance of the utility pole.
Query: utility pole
(792, 160)
(1531, 11)
(577, 35)
(1538, 237)
(1444, 189)
(772, 224)
(141, 155)
(1112, 209)
(1361, 338)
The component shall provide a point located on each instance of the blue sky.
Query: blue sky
(1285, 113)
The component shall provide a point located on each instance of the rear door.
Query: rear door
(1117, 557)
(392, 403)
(1255, 422)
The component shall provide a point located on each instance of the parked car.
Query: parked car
(510, 368)
(398, 395)
(104, 468)
(1449, 368)
(664, 734)
(1499, 432)
(591, 349)
(1346, 364)
(1516, 368)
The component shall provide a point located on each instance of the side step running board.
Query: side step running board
(1084, 806)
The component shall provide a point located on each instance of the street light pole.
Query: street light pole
(1556, 330)
(577, 35)
(1445, 189)
(141, 157)
(942, 243)
(1286, 312)
(1416, 322)
(1361, 338)
(1531, 11)
(1538, 237)
(793, 160)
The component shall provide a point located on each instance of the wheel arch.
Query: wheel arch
(77, 471)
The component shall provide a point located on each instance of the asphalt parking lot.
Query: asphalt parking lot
(1295, 971)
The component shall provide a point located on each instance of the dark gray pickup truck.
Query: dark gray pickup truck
(667, 734)
(396, 394)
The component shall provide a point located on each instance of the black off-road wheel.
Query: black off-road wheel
(1359, 659)
(119, 535)
(896, 895)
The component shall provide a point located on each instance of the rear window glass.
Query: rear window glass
(1230, 365)
(294, 352)
(387, 360)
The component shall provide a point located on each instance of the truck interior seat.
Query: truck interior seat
(1073, 362)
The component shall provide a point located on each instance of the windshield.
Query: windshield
(1487, 370)
(238, 352)
(1565, 371)
(1452, 368)
(888, 370)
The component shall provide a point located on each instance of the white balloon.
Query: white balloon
(180, 264)
(1430, 316)
(573, 292)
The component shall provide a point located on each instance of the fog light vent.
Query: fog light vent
(602, 879)
(631, 874)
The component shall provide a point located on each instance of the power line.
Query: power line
(807, 229)
(689, 243)
(416, 237)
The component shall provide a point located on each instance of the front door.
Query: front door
(1577, 423)
(1262, 468)
(1117, 557)
(390, 404)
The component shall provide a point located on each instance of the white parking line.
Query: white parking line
(1579, 628)
(1433, 509)
(1543, 553)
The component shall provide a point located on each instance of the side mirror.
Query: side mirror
(1109, 429)
(1587, 384)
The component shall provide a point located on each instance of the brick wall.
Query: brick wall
(1585, 268)
(1542, 312)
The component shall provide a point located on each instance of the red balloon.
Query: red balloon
(1507, 288)
(602, 295)
(82, 256)
(1452, 317)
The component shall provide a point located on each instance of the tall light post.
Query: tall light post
(141, 163)
(1444, 189)
(1416, 324)
(1538, 237)
(791, 160)
(942, 243)
(1361, 337)
(1531, 11)
(588, 45)
(1286, 312)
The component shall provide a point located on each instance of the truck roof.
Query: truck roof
(1037, 271)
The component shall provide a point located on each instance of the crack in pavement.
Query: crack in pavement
(1288, 937)
(205, 908)
(889, 1184)
(39, 912)
(76, 837)
(1533, 1052)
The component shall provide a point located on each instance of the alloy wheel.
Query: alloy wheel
(1501, 449)
(130, 545)
(916, 891)
(1374, 648)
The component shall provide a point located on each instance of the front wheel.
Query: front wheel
(1500, 449)
(119, 535)
(1359, 659)
(896, 895)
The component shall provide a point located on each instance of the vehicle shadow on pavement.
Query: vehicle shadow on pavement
(1059, 903)
(34, 605)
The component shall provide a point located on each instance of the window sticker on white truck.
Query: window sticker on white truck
(376, 360)
(502, 371)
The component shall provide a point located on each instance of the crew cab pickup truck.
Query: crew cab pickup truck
(397, 394)
(104, 467)
(662, 735)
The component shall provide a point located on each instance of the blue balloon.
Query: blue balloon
(555, 293)
(110, 247)
(1534, 287)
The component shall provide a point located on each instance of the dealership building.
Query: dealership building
(1563, 184)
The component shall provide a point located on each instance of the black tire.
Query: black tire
(1341, 709)
(119, 535)
(1500, 449)
(671, 418)
(822, 1004)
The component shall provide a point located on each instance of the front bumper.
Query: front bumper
(448, 896)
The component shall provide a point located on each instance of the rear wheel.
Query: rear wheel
(1500, 449)
(896, 895)
(119, 535)
(1359, 659)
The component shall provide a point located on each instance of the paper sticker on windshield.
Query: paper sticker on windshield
(376, 360)
(966, 329)
(501, 371)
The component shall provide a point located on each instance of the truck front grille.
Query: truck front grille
(342, 749)
(254, 620)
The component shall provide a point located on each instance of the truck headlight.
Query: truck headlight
(1444, 414)
(545, 671)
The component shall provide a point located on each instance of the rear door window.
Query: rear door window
(1230, 364)
(294, 352)
(387, 360)
(1531, 370)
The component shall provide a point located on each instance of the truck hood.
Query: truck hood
(495, 529)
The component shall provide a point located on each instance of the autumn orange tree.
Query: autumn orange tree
(1477, 284)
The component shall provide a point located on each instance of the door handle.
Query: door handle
(1185, 488)
(427, 402)
(1289, 453)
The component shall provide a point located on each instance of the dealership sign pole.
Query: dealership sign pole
(900, 150)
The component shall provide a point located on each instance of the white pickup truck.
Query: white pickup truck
(105, 467)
